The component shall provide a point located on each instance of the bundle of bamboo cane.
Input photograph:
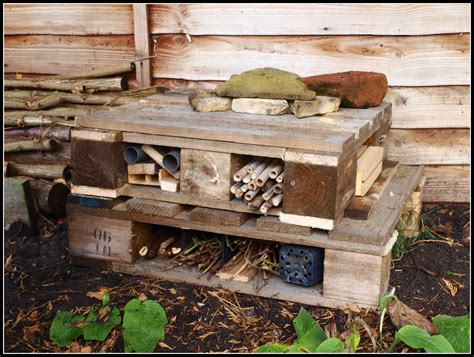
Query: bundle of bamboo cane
(260, 184)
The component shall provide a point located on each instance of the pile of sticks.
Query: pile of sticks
(260, 184)
(39, 115)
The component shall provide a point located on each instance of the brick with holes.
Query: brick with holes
(301, 265)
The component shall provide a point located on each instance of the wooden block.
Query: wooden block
(94, 201)
(18, 204)
(96, 135)
(168, 182)
(361, 149)
(318, 191)
(230, 271)
(106, 238)
(138, 179)
(273, 224)
(368, 161)
(143, 168)
(361, 207)
(153, 207)
(209, 174)
(355, 277)
(220, 217)
(98, 163)
(363, 186)
(95, 191)
(410, 220)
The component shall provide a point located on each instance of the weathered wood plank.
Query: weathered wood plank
(406, 61)
(388, 210)
(68, 19)
(273, 224)
(447, 184)
(155, 208)
(429, 146)
(106, 238)
(354, 277)
(317, 238)
(219, 217)
(142, 44)
(274, 288)
(19, 204)
(298, 19)
(50, 54)
(430, 107)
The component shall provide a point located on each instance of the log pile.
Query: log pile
(39, 115)
(260, 184)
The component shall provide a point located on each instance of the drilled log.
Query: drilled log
(57, 132)
(29, 145)
(39, 171)
(50, 197)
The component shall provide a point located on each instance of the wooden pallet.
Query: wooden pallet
(317, 149)
(356, 271)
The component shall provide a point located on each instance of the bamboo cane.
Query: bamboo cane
(277, 200)
(276, 170)
(280, 177)
(259, 169)
(239, 175)
(264, 176)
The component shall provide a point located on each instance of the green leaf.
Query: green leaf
(99, 330)
(106, 298)
(416, 337)
(143, 325)
(275, 348)
(309, 333)
(385, 301)
(353, 340)
(64, 328)
(331, 345)
(456, 330)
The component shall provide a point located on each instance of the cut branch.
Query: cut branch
(29, 145)
(39, 171)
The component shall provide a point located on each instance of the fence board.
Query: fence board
(310, 19)
(407, 61)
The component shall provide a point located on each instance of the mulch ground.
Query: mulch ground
(432, 278)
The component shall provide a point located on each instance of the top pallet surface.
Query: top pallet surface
(171, 115)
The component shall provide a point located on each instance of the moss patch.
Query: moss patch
(267, 83)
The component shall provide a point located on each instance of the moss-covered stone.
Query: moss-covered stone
(266, 83)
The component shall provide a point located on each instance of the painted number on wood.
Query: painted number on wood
(103, 238)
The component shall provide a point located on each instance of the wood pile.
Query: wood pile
(38, 117)
(260, 184)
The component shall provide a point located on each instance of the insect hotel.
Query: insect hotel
(268, 182)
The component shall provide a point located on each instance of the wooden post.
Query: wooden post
(142, 44)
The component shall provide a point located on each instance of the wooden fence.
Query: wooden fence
(422, 48)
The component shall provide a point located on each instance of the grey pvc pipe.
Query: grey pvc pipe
(171, 160)
(134, 154)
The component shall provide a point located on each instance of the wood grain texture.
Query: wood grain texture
(218, 217)
(51, 54)
(388, 210)
(19, 202)
(317, 190)
(106, 238)
(317, 238)
(406, 61)
(429, 146)
(310, 19)
(152, 207)
(68, 19)
(62, 156)
(273, 224)
(430, 107)
(354, 277)
(208, 174)
(98, 164)
(447, 184)
(142, 44)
